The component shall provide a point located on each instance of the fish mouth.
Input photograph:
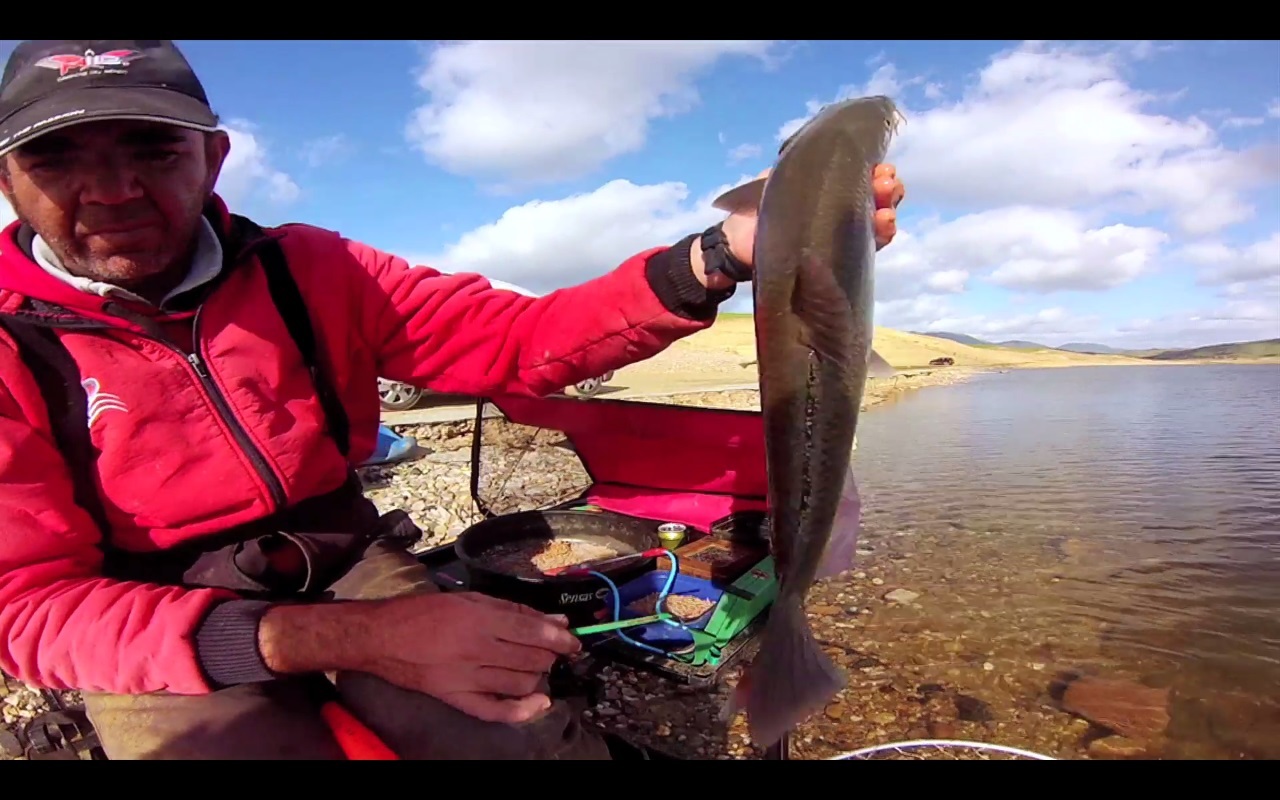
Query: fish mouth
(866, 116)
(860, 117)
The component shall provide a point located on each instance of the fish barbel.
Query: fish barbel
(813, 288)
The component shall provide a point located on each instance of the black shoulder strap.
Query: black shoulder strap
(288, 301)
(68, 407)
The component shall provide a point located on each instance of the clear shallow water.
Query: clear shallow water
(1151, 493)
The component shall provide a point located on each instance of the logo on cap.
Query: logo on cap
(90, 63)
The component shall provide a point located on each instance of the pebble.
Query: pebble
(902, 596)
(1116, 747)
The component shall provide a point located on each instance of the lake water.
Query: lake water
(1118, 521)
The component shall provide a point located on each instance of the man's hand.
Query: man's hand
(740, 227)
(484, 656)
(488, 658)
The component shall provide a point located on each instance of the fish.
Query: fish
(747, 196)
(813, 288)
(877, 366)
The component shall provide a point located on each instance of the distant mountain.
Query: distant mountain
(1022, 344)
(1263, 348)
(959, 338)
(1151, 351)
(1092, 348)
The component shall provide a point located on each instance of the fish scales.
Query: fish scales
(814, 300)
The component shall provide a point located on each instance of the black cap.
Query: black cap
(52, 84)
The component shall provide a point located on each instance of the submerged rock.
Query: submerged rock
(1130, 709)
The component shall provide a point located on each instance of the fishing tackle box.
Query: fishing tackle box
(701, 467)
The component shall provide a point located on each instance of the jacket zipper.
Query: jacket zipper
(194, 359)
(241, 436)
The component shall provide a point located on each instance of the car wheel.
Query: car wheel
(588, 387)
(396, 396)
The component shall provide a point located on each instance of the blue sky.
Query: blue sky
(1056, 191)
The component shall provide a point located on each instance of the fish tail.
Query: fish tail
(790, 679)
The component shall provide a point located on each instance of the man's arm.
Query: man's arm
(458, 334)
(63, 625)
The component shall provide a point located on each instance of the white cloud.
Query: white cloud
(1144, 49)
(948, 281)
(1048, 323)
(1243, 122)
(1047, 125)
(934, 313)
(1012, 144)
(547, 244)
(248, 174)
(1050, 142)
(534, 111)
(910, 313)
(1027, 249)
(744, 152)
(1234, 321)
(1239, 320)
(1236, 265)
(325, 150)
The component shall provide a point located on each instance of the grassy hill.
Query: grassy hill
(959, 338)
(905, 351)
(1022, 344)
(1089, 347)
(909, 350)
(1232, 351)
(1265, 349)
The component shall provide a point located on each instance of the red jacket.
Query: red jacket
(171, 466)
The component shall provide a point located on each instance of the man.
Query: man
(182, 396)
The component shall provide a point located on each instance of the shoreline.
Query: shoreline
(432, 489)
(887, 659)
(878, 391)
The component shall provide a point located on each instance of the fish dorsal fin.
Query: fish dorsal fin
(749, 194)
(823, 310)
(741, 198)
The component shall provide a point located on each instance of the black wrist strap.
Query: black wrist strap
(717, 258)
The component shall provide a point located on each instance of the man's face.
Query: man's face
(118, 201)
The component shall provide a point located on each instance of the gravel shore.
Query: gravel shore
(920, 626)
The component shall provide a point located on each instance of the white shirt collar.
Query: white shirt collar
(205, 266)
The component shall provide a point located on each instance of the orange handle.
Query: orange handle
(356, 740)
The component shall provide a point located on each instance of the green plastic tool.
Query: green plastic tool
(752, 594)
(604, 627)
